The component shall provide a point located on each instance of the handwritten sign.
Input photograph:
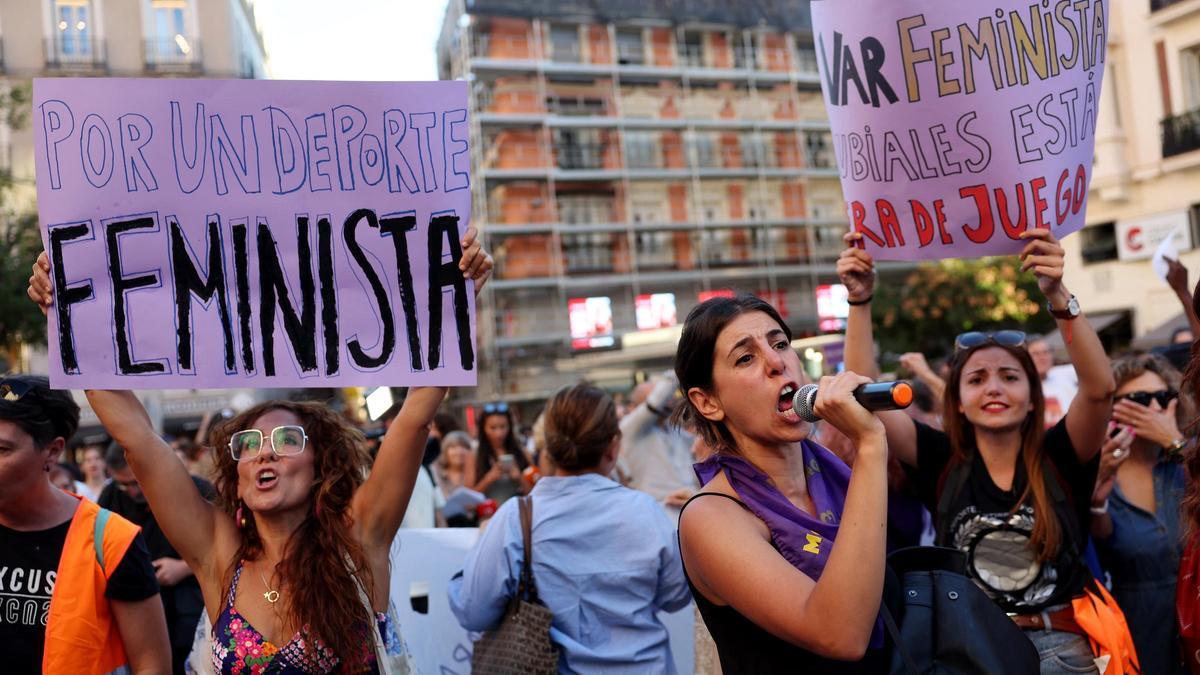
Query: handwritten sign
(959, 125)
(209, 233)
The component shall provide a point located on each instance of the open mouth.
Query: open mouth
(785, 397)
(265, 479)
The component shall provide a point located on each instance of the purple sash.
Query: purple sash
(801, 539)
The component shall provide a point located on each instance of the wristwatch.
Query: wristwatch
(1072, 311)
(1177, 446)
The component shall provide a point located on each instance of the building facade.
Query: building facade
(1146, 180)
(123, 38)
(629, 160)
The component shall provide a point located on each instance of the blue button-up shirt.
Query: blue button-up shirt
(605, 561)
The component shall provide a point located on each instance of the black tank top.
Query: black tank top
(746, 649)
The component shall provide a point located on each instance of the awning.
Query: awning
(1162, 334)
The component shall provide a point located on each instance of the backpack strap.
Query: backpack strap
(98, 536)
(890, 623)
(953, 479)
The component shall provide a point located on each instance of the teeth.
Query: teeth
(787, 391)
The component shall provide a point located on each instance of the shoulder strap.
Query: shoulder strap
(98, 536)
(527, 588)
(897, 642)
(953, 479)
(698, 495)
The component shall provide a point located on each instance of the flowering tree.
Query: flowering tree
(924, 310)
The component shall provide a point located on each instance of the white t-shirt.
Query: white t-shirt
(1059, 389)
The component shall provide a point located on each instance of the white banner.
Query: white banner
(423, 561)
(1138, 237)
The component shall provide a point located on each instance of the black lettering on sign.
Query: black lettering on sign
(396, 227)
(189, 281)
(121, 285)
(445, 228)
(301, 328)
(241, 266)
(357, 354)
(329, 308)
(65, 296)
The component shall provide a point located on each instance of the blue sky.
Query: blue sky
(351, 39)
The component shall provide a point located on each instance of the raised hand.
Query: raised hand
(856, 268)
(40, 289)
(476, 263)
(1112, 455)
(1045, 258)
(1153, 424)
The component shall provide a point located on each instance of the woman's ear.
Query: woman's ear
(707, 404)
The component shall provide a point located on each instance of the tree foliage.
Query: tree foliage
(20, 242)
(925, 309)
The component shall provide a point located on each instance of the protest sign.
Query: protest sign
(210, 233)
(423, 561)
(959, 125)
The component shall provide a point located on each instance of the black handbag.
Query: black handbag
(946, 625)
(521, 645)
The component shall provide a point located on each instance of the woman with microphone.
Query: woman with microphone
(783, 548)
(1010, 494)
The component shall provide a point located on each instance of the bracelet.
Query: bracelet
(1100, 510)
(859, 303)
(1177, 446)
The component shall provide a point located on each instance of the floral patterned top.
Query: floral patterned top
(239, 649)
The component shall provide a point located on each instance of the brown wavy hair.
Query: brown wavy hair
(1047, 535)
(322, 590)
(1190, 390)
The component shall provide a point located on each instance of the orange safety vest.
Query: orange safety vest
(81, 635)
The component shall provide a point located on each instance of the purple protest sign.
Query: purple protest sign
(959, 125)
(209, 233)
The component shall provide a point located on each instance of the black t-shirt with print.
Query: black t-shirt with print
(28, 571)
(995, 538)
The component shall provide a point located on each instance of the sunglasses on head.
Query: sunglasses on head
(1004, 338)
(13, 389)
(493, 408)
(1143, 398)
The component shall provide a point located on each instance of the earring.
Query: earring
(239, 518)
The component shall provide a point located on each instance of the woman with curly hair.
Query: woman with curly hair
(293, 560)
(1136, 505)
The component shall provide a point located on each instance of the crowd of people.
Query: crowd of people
(1072, 491)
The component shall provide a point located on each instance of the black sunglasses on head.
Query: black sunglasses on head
(1143, 398)
(14, 389)
(492, 408)
(1004, 338)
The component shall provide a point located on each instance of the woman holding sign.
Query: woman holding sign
(1011, 495)
(293, 560)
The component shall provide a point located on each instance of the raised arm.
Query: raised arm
(856, 270)
(730, 559)
(1091, 408)
(192, 524)
(189, 521)
(1177, 279)
(380, 503)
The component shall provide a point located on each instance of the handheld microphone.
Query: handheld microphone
(874, 396)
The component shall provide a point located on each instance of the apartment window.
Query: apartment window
(630, 50)
(589, 252)
(170, 40)
(585, 209)
(655, 249)
(579, 149)
(643, 150)
(691, 49)
(704, 151)
(73, 28)
(1099, 242)
(743, 50)
(818, 150)
(564, 43)
(711, 210)
(718, 246)
(754, 151)
(646, 211)
(1189, 67)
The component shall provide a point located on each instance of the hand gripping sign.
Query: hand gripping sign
(959, 125)
(208, 233)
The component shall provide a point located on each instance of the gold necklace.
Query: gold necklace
(271, 596)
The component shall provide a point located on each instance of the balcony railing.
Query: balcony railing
(691, 56)
(630, 54)
(489, 46)
(173, 54)
(1156, 5)
(1181, 133)
(75, 52)
(580, 156)
(577, 106)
